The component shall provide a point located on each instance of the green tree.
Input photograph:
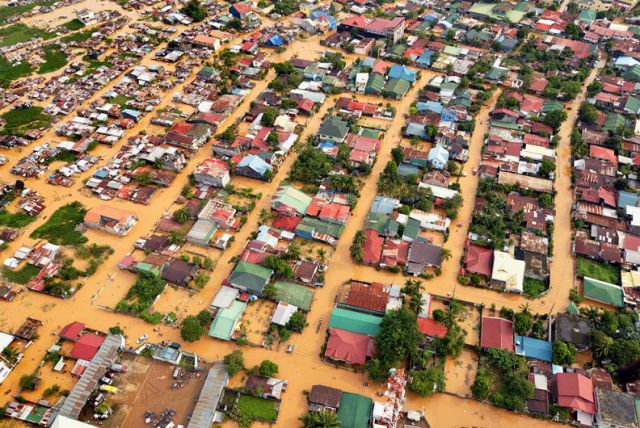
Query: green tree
(195, 10)
(522, 322)
(481, 385)
(547, 168)
(269, 116)
(268, 368)
(320, 419)
(563, 354)
(181, 215)
(555, 118)
(234, 362)
(625, 351)
(191, 330)
(428, 381)
(204, 316)
(588, 113)
(297, 322)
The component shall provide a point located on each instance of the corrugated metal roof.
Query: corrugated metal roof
(214, 384)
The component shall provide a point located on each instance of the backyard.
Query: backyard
(60, 228)
(597, 270)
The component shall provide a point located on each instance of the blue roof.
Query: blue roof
(448, 114)
(383, 205)
(131, 112)
(425, 57)
(627, 198)
(276, 40)
(533, 348)
(256, 163)
(401, 72)
(433, 106)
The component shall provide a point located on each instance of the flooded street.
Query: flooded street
(304, 367)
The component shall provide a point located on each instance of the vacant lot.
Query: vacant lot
(147, 387)
(461, 372)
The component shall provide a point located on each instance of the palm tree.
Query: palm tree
(445, 253)
(322, 254)
(181, 215)
(320, 419)
(176, 238)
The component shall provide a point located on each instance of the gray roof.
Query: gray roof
(214, 384)
(615, 409)
(573, 329)
(334, 127)
(104, 358)
(425, 253)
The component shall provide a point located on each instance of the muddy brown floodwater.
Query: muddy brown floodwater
(303, 368)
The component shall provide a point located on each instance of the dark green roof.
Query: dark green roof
(335, 127)
(375, 84)
(397, 87)
(251, 276)
(355, 410)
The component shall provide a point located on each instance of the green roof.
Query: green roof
(375, 221)
(369, 132)
(573, 309)
(514, 15)
(452, 50)
(250, 276)
(309, 225)
(632, 105)
(289, 196)
(506, 125)
(397, 87)
(604, 292)
(497, 73)
(551, 105)
(375, 84)
(587, 16)
(334, 127)
(226, 320)
(294, 294)
(355, 322)
(147, 268)
(633, 73)
(613, 122)
(412, 228)
(355, 410)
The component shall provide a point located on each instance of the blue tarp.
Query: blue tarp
(534, 348)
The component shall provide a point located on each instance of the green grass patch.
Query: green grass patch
(121, 100)
(73, 25)
(16, 220)
(54, 59)
(21, 276)
(19, 121)
(60, 228)
(7, 12)
(79, 36)
(534, 287)
(10, 72)
(63, 156)
(597, 270)
(256, 408)
(18, 33)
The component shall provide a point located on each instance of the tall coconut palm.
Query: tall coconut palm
(445, 253)
(320, 419)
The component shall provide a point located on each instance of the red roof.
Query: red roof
(432, 328)
(531, 103)
(372, 248)
(368, 296)
(71, 331)
(242, 8)
(86, 346)
(479, 260)
(348, 346)
(603, 153)
(631, 242)
(575, 391)
(286, 222)
(497, 333)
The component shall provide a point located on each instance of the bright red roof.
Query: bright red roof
(432, 328)
(372, 248)
(603, 153)
(575, 391)
(286, 222)
(348, 346)
(479, 260)
(86, 346)
(497, 333)
(71, 331)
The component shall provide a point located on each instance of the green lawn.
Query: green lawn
(22, 276)
(23, 120)
(597, 270)
(73, 25)
(533, 287)
(60, 227)
(18, 33)
(79, 36)
(10, 72)
(17, 220)
(54, 58)
(7, 12)
(256, 408)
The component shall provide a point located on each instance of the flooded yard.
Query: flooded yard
(461, 372)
